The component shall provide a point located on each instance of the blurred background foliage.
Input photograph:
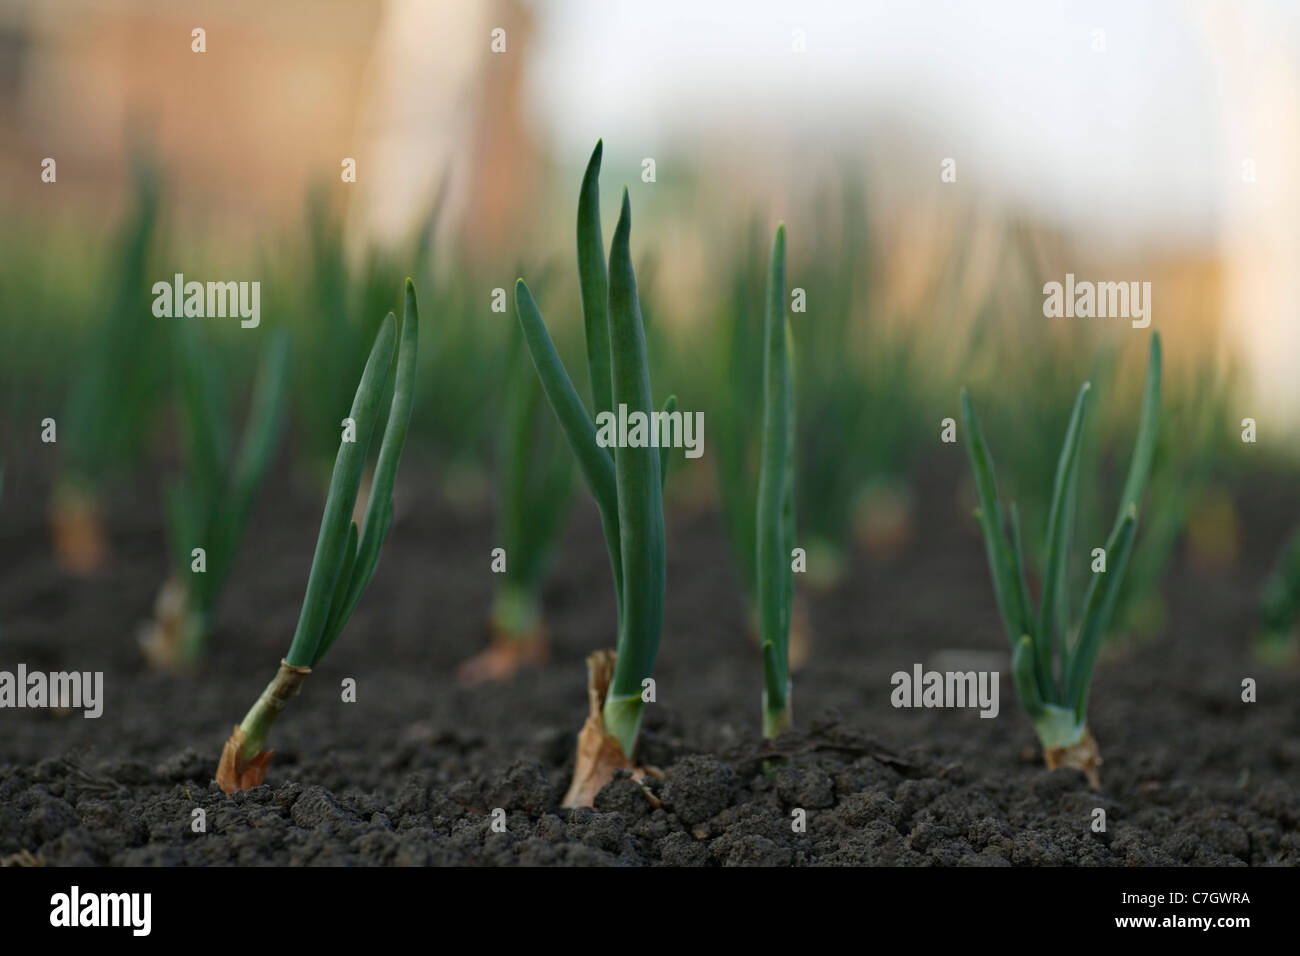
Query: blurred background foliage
(914, 287)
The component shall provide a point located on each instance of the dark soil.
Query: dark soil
(411, 772)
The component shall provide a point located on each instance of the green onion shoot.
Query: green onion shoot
(209, 507)
(774, 520)
(532, 502)
(107, 418)
(344, 561)
(626, 481)
(738, 444)
(1052, 663)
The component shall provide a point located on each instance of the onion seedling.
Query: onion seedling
(110, 400)
(530, 514)
(344, 561)
(739, 445)
(625, 481)
(774, 519)
(1052, 665)
(210, 506)
(1186, 456)
(739, 366)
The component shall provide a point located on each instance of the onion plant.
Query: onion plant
(106, 419)
(739, 365)
(1188, 450)
(209, 507)
(532, 501)
(738, 445)
(626, 482)
(774, 519)
(344, 561)
(1052, 663)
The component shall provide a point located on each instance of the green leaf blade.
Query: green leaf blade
(1042, 659)
(1060, 523)
(1148, 426)
(333, 625)
(640, 500)
(341, 499)
(1014, 614)
(593, 284)
(595, 462)
(379, 509)
(774, 502)
(1024, 676)
(670, 406)
(1099, 606)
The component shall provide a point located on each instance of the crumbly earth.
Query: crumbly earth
(411, 773)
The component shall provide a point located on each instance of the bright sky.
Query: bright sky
(1148, 133)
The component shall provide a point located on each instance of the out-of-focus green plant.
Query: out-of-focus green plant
(532, 502)
(111, 395)
(1188, 451)
(738, 393)
(209, 506)
(1052, 665)
(774, 515)
(344, 562)
(741, 460)
(833, 466)
(735, 440)
(1279, 606)
(331, 343)
(464, 347)
(627, 482)
(861, 388)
